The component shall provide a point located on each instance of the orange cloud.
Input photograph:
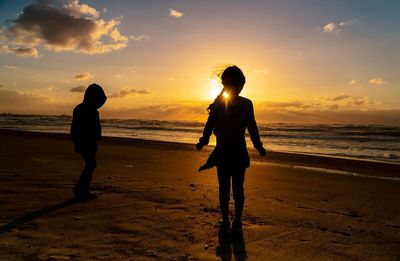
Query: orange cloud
(127, 92)
(377, 81)
(70, 27)
(260, 71)
(338, 98)
(175, 13)
(353, 82)
(76, 9)
(328, 28)
(139, 37)
(83, 76)
(336, 27)
(20, 51)
(80, 88)
(269, 112)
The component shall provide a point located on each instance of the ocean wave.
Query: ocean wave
(359, 141)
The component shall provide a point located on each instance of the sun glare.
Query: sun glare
(215, 88)
(226, 95)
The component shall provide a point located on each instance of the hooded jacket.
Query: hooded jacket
(85, 127)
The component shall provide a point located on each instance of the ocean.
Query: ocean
(371, 142)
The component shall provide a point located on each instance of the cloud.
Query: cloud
(28, 103)
(339, 97)
(348, 110)
(159, 111)
(330, 116)
(139, 37)
(49, 88)
(335, 103)
(328, 28)
(83, 76)
(336, 27)
(11, 67)
(344, 100)
(175, 13)
(22, 100)
(333, 107)
(119, 76)
(80, 88)
(358, 101)
(3, 35)
(346, 23)
(76, 9)
(289, 104)
(260, 71)
(14, 101)
(20, 51)
(353, 82)
(300, 106)
(62, 27)
(377, 81)
(128, 92)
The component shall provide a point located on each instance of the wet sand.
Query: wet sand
(153, 204)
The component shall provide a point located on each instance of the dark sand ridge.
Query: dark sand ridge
(153, 204)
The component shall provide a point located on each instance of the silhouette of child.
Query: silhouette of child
(85, 132)
(229, 117)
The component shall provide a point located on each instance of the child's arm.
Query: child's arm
(208, 129)
(253, 131)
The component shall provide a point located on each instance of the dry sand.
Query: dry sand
(153, 204)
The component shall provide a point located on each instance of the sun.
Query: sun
(226, 95)
(215, 88)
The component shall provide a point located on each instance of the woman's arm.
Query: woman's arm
(253, 131)
(208, 129)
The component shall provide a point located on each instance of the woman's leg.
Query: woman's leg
(224, 191)
(238, 191)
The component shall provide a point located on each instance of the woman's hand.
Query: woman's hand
(202, 142)
(199, 146)
(262, 151)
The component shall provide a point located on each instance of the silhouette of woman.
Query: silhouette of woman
(229, 117)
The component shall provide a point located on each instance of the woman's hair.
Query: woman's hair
(233, 79)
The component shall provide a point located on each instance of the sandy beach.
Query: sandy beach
(153, 204)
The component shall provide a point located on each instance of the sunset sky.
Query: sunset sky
(308, 61)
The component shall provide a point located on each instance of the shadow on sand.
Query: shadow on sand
(30, 216)
(231, 246)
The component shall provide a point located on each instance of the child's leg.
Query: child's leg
(224, 181)
(238, 191)
(82, 186)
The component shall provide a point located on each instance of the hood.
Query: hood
(95, 96)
